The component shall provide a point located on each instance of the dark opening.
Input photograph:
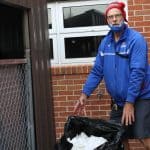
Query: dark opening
(82, 47)
(11, 33)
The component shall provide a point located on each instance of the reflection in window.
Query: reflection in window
(49, 19)
(84, 16)
(82, 47)
(51, 49)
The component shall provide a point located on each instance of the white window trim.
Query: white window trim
(55, 49)
(58, 33)
(78, 60)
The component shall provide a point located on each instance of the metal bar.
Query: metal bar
(13, 61)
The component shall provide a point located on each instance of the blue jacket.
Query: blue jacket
(124, 67)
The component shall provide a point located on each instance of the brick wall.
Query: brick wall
(67, 81)
(67, 86)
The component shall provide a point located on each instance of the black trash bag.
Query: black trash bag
(97, 127)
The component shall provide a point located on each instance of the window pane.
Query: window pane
(51, 49)
(82, 47)
(49, 18)
(84, 16)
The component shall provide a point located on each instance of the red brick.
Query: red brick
(142, 24)
(65, 82)
(147, 6)
(130, 2)
(135, 18)
(65, 93)
(60, 108)
(141, 2)
(142, 12)
(146, 18)
(59, 98)
(59, 87)
(135, 7)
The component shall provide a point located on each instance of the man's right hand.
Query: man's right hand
(80, 105)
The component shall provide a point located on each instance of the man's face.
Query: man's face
(114, 16)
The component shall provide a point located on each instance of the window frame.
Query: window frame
(58, 33)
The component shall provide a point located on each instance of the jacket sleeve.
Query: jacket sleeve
(138, 66)
(95, 75)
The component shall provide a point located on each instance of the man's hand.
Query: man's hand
(128, 114)
(80, 105)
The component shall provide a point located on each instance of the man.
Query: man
(122, 62)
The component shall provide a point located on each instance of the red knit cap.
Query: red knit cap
(118, 5)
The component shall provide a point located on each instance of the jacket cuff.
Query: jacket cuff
(86, 93)
(130, 99)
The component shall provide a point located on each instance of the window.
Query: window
(75, 30)
(11, 33)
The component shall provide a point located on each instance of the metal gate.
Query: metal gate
(16, 109)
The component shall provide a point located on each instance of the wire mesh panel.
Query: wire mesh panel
(14, 101)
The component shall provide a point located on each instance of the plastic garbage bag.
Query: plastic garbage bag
(110, 131)
(80, 142)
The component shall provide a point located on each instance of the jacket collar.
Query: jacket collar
(124, 35)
